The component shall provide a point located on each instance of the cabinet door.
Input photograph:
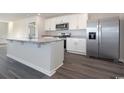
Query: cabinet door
(76, 45)
(58, 20)
(70, 44)
(61, 19)
(82, 21)
(53, 24)
(78, 21)
(47, 24)
(65, 19)
(50, 24)
(73, 22)
(81, 45)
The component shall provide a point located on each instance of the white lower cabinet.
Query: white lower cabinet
(76, 45)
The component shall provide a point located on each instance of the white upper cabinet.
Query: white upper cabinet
(82, 21)
(76, 21)
(53, 24)
(50, 24)
(73, 22)
(61, 19)
(47, 24)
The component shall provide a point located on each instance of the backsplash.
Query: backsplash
(73, 33)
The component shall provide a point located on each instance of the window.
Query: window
(32, 30)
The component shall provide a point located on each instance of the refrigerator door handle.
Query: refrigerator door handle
(100, 36)
(98, 27)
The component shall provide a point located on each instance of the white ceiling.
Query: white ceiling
(15, 16)
(5, 17)
(48, 15)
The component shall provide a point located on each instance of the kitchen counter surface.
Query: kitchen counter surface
(78, 37)
(42, 40)
(66, 37)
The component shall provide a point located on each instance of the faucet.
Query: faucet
(30, 36)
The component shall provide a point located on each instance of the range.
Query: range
(64, 36)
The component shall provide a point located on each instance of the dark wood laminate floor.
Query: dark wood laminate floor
(75, 67)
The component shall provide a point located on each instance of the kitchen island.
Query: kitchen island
(45, 55)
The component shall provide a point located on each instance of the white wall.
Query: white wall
(3, 32)
(21, 30)
(81, 33)
(20, 27)
(10, 29)
(40, 26)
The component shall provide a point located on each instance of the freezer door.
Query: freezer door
(92, 38)
(109, 38)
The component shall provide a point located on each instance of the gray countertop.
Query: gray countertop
(42, 40)
(78, 37)
(67, 37)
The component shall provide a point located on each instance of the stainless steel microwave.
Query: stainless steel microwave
(63, 26)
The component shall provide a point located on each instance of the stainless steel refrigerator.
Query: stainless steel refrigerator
(103, 38)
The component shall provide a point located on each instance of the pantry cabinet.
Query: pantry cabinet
(76, 21)
(76, 45)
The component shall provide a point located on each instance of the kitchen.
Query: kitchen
(72, 30)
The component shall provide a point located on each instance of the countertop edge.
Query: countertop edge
(32, 41)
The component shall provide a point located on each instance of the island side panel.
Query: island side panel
(31, 54)
(57, 55)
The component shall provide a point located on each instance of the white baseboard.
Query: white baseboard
(75, 52)
(47, 72)
(57, 67)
